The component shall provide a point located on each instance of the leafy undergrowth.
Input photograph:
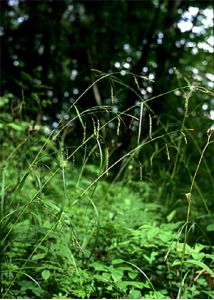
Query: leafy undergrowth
(70, 229)
(111, 242)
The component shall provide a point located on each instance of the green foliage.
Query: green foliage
(106, 150)
(57, 243)
(70, 229)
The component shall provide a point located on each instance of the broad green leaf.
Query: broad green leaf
(196, 263)
(200, 264)
(210, 227)
(165, 236)
(38, 256)
(105, 277)
(122, 285)
(199, 247)
(198, 256)
(211, 256)
(98, 266)
(180, 247)
(138, 284)
(133, 275)
(16, 126)
(46, 274)
(135, 294)
(117, 261)
(152, 233)
(116, 274)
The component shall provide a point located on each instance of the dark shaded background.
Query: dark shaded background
(49, 49)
